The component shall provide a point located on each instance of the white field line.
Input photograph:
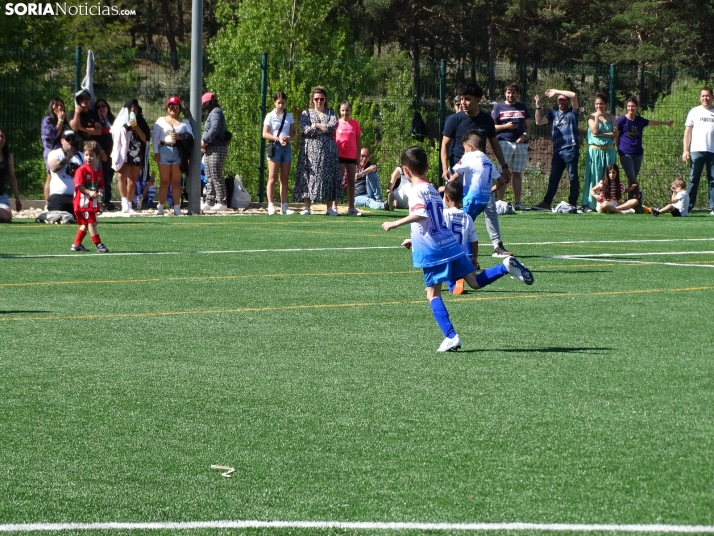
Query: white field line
(609, 257)
(322, 525)
(364, 248)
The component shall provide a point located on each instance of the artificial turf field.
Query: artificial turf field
(301, 352)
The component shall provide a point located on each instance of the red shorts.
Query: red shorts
(83, 218)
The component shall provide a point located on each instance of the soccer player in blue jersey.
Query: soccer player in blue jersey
(436, 249)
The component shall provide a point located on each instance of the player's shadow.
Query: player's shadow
(22, 311)
(545, 350)
(569, 272)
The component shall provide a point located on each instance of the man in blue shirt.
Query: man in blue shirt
(566, 144)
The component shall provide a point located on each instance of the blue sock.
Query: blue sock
(441, 315)
(452, 285)
(489, 275)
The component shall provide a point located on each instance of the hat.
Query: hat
(67, 134)
(207, 97)
(173, 100)
(80, 94)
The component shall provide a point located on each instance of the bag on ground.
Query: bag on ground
(240, 197)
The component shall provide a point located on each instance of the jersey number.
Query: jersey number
(458, 230)
(436, 217)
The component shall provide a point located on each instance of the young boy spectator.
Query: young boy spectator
(477, 173)
(679, 207)
(88, 185)
(462, 226)
(436, 249)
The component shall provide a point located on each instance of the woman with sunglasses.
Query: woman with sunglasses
(168, 136)
(602, 142)
(106, 119)
(130, 133)
(318, 170)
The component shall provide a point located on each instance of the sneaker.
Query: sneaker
(353, 212)
(130, 210)
(219, 207)
(540, 207)
(510, 209)
(501, 252)
(101, 248)
(585, 209)
(450, 345)
(332, 212)
(271, 209)
(110, 207)
(177, 210)
(206, 206)
(628, 211)
(459, 287)
(78, 247)
(654, 211)
(306, 211)
(519, 206)
(390, 201)
(517, 270)
(125, 206)
(285, 210)
(711, 213)
(159, 210)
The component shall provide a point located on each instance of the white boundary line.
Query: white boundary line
(608, 257)
(365, 248)
(357, 525)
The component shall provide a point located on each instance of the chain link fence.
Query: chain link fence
(386, 92)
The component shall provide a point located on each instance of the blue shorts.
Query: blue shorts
(169, 155)
(474, 209)
(282, 154)
(449, 271)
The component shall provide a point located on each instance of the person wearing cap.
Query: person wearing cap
(83, 119)
(566, 144)
(63, 162)
(130, 133)
(169, 134)
(7, 174)
(215, 148)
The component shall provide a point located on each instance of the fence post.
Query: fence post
(613, 85)
(442, 109)
(77, 67)
(263, 98)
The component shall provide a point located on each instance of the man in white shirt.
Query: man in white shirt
(699, 146)
(63, 162)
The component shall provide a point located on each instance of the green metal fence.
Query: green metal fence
(387, 93)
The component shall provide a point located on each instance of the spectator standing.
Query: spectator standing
(699, 146)
(84, 120)
(130, 132)
(367, 172)
(471, 118)
(318, 171)
(279, 129)
(7, 174)
(106, 119)
(511, 118)
(51, 130)
(168, 135)
(566, 144)
(630, 128)
(215, 145)
(349, 144)
(602, 141)
(63, 162)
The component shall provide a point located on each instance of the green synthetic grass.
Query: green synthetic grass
(586, 398)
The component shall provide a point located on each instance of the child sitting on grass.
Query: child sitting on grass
(88, 187)
(436, 249)
(679, 206)
(462, 226)
(609, 190)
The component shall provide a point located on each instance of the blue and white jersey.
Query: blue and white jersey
(462, 226)
(477, 175)
(433, 243)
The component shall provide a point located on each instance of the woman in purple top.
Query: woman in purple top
(629, 147)
(52, 126)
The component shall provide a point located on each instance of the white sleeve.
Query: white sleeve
(417, 203)
(470, 231)
(460, 167)
(266, 121)
(689, 122)
(155, 134)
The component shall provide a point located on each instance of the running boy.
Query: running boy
(477, 174)
(436, 249)
(679, 205)
(88, 187)
(462, 226)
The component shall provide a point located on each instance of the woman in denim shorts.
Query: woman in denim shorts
(169, 131)
(279, 138)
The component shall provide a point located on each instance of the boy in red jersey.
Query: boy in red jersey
(88, 187)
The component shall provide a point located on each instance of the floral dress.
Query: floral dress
(318, 168)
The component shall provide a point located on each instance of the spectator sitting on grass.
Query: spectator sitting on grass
(679, 207)
(609, 190)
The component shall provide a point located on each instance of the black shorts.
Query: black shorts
(61, 202)
(676, 213)
(348, 160)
